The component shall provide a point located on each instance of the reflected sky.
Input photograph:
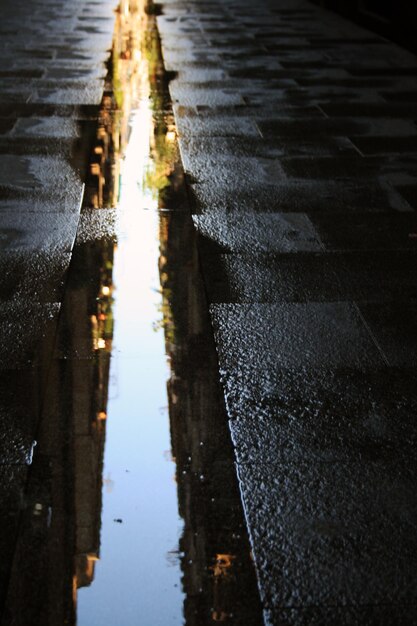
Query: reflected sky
(141, 527)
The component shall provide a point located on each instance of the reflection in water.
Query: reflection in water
(140, 525)
(138, 515)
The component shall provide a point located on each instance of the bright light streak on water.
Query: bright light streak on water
(137, 580)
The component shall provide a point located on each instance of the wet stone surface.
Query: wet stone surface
(310, 335)
(300, 278)
(316, 526)
(289, 232)
(330, 416)
(304, 198)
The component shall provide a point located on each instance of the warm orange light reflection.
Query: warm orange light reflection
(223, 564)
(219, 616)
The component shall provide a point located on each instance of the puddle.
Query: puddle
(133, 513)
(137, 561)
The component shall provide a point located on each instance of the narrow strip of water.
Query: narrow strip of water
(141, 527)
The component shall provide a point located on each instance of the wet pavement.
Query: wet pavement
(297, 131)
(282, 263)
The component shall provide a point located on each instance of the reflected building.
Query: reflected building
(89, 426)
(59, 538)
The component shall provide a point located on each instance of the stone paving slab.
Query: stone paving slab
(347, 276)
(298, 136)
(333, 532)
(330, 416)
